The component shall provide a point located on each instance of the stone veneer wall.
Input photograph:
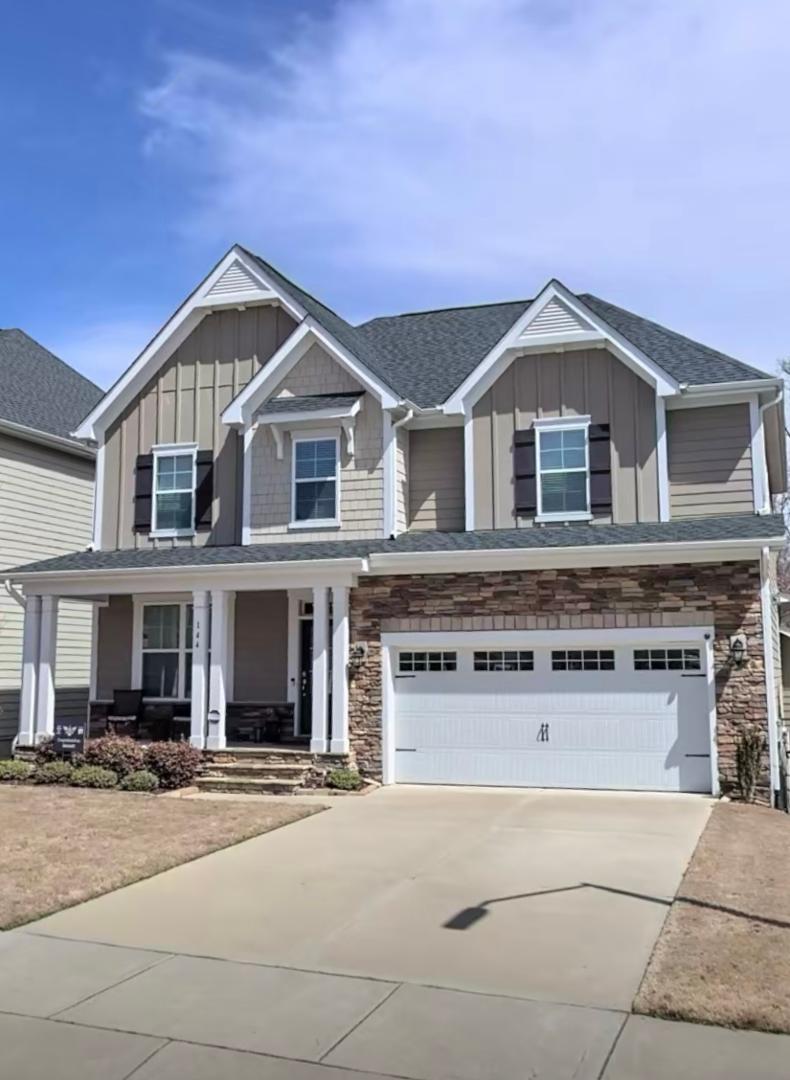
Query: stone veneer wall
(727, 595)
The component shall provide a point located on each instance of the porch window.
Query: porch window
(174, 491)
(167, 651)
(563, 469)
(315, 481)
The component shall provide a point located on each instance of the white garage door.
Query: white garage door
(633, 717)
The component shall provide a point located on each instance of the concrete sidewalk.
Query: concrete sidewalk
(418, 933)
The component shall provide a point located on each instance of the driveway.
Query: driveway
(417, 932)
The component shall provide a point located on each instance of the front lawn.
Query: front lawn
(723, 956)
(59, 846)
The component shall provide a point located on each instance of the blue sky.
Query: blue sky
(395, 154)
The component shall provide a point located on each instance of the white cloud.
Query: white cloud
(103, 350)
(634, 145)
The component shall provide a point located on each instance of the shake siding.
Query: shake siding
(46, 508)
(183, 403)
(583, 382)
(436, 490)
(710, 461)
(361, 481)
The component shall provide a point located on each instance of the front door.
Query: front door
(305, 676)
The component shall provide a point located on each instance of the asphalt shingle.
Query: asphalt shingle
(313, 403)
(40, 391)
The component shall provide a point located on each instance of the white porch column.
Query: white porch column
(200, 672)
(218, 686)
(31, 642)
(318, 740)
(339, 743)
(45, 704)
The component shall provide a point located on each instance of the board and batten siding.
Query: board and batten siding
(710, 461)
(361, 476)
(589, 382)
(183, 403)
(436, 479)
(46, 509)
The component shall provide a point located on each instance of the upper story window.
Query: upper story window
(316, 482)
(563, 469)
(173, 510)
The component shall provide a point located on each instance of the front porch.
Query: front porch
(224, 668)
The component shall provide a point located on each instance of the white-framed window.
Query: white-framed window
(582, 660)
(173, 494)
(667, 660)
(410, 662)
(315, 481)
(504, 660)
(562, 458)
(166, 650)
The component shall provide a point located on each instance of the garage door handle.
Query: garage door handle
(405, 749)
(694, 675)
(697, 755)
(404, 676)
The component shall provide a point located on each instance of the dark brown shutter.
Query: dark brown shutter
(526, 491)
(143, 486)
(600, 469)
(204, 488)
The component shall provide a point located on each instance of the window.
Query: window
(582, 660)
(174, 491)
(167, 650)
(409, 662)
(667, 660)
(563, 469)
(315, 481)
(504, 660)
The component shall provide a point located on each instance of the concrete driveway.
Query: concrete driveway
(418, 932)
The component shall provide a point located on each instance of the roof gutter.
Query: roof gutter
(46, 438)
(741, 386)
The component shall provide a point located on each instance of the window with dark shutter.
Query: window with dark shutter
(600, 469)
(143, 489)
(204, 489)
(525, 483)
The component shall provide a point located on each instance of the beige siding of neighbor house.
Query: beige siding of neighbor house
(183, 403)
(586, 382)
(46, 508)
(436, 487)
(260, 646)
(710, 461)
(361, 476)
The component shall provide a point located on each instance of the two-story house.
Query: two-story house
(46, 506)
(526, 543)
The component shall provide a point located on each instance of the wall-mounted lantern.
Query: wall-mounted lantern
(738, 650)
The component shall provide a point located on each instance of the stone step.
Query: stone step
(261, 770)
(246, 785)
(302, 758)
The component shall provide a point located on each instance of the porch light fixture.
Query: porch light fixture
(737, 650)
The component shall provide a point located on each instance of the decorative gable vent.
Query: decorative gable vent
(555, 318)
(235, 280)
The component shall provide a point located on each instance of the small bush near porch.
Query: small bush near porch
(65, 845)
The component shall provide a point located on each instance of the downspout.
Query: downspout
(761, 409)
(394, 440)
(766, 602)
(15, 594)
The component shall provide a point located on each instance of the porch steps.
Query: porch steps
(248, 785)
(256, 770)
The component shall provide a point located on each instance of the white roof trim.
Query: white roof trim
(309, 332)
(306, 416)
(175, 331)
(46, 438)
(594, 331)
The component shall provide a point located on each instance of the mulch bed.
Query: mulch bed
(60, 846)
(723, 956)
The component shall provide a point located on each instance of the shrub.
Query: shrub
(118, 753)
(175, 763)
(141, 780)
(748, 762)
(344, 779)
(53, 772)
(94, 776)
(11, 771)
(45, 751)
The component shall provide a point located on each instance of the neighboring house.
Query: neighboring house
(46, 508)
(527, 543)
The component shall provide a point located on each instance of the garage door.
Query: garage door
(634, 718)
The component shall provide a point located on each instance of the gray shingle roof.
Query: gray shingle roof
(424, 356)
(40, 391)
(313, 403)
(690, 530)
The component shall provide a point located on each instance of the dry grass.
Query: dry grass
(60, 846)
(723, 956)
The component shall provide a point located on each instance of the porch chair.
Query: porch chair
(125, 712)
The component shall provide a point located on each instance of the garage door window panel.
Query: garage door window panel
(504, 660)
(582, 660)
(667, 660)
(410, 663)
